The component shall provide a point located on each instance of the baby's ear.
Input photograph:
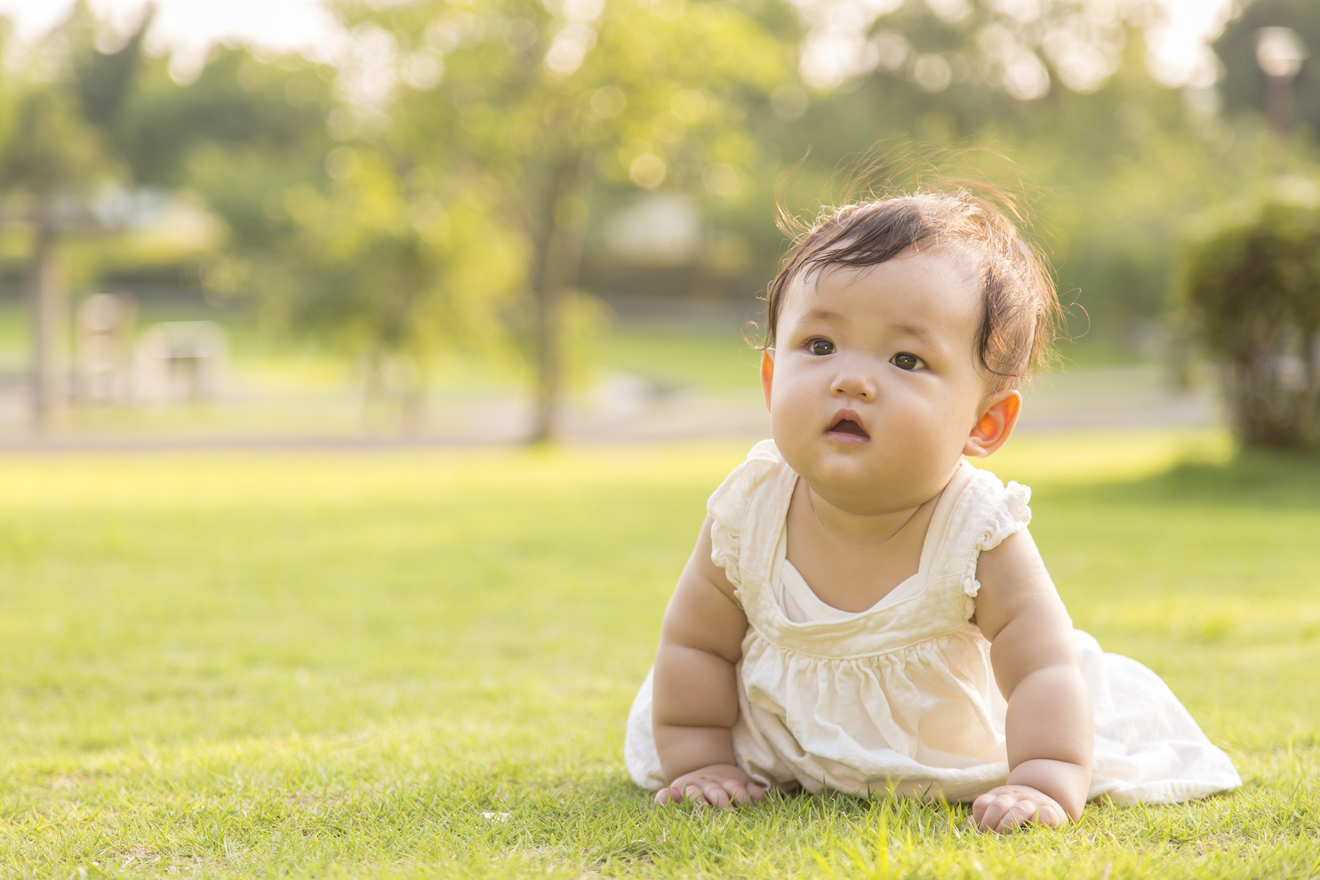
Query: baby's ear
(767, 372)
(999, 416)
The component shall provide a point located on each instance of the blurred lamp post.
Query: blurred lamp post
(1280, 53)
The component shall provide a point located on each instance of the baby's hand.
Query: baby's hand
(1004, 808)
(722, 785)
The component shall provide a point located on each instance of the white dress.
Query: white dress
(901, 697)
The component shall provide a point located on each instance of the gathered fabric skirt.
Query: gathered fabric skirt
(1147, 747)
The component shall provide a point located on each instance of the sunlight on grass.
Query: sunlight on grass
(406, 664)
(1104, 457)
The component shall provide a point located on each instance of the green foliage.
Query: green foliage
(236, 102)
(49, 145)
(469, 155)
(51, 149)
(1243, 85)
(403, 267)
(1252, 289)
(68, 111)
(419, 664)
(543, 105)
(66, 101)
(105, 80)
(518, 94)
(1110, 179)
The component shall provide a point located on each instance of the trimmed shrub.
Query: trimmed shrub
(1252, 293)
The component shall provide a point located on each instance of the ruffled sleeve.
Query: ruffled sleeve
(1006, 513)
(731, 505)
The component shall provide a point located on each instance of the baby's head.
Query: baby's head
(1021, 313)
(897, 334)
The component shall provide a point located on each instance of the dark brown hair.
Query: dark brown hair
(1021, 315)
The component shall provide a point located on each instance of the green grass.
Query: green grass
(420, 664)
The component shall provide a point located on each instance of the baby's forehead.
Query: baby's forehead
(963, 264)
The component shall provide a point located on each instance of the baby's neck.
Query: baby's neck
(853, 560)
(848, 527)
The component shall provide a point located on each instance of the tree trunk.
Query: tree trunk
(558, 257)
(1310, 414)
(48, 313)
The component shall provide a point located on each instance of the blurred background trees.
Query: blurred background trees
(1252, 292)
(539, 103)
(1244, 82)
(494, 176)
(59, 149)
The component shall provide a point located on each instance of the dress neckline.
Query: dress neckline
(818, 609)
(910, 587)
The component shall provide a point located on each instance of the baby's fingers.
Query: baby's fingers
(1004, 813)
(742, 794)
(668, 795)
(1018, 814)
(703, 793)
(678, 792)
(979, 808)
(712, 792)
(990, 809)
(717, 793)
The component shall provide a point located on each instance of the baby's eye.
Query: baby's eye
(821, 346)
(905, 361)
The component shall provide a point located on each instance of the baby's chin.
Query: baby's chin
(865, 504)
(865, 493)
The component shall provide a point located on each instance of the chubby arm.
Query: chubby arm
(695, 697)
(1049, 724)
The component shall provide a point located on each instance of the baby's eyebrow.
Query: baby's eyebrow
(917, 331)
(914, 330)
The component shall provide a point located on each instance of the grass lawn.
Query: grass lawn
(713, 361)
(419, 665)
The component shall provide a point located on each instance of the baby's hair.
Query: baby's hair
(1021, 315)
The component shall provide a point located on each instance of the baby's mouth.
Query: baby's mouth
(848, 426)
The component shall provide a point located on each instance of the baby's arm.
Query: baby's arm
(694, 691)
(1049, 725)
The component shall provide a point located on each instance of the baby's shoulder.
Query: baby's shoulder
(762, 474)
(985, 508)
(747, 511)
(978, 512)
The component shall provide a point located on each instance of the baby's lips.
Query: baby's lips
(848, 422)
(851, 428)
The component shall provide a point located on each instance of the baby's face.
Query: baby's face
(875, 384)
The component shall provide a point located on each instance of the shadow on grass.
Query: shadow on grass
(1252, 479)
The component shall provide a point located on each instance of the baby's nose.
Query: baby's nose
(855, 384)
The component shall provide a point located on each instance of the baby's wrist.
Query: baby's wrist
(684, 750)
(721, 770)
(1062, 781)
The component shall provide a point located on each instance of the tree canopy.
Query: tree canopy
(455, 179)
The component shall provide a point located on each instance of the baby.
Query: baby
(864, 610)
